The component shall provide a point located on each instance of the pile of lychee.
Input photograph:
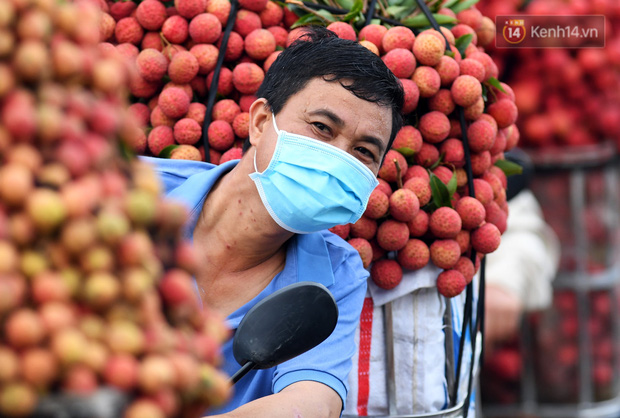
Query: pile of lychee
(95, 276)
(423, 212)
(565, 96)
(175, 50)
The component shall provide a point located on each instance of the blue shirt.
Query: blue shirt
(320, 257)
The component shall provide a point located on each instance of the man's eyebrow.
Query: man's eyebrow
(338, 121)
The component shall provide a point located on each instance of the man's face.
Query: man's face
(328, 112)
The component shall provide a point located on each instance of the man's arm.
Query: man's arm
(305, 399)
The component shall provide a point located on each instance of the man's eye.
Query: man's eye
(321, 126)
(366, 152)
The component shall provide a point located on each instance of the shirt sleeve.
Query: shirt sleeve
(173, 173)
(330, 362)
(528, 256)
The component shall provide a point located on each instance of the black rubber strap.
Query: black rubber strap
(370, 12)
(216, 77)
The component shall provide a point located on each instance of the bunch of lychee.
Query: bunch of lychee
(95, 279)
(566, 97)
(423, 212)
(175, 50)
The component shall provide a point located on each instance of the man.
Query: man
(327, 113)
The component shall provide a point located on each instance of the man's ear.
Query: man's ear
(260, 115)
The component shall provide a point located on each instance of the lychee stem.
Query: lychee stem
(399, 180)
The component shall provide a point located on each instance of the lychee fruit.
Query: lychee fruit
(341, 230)
(472, 67)
(414, 255)
(205, 28)
(445, 222)
(280, 34)
(471, 211)
(373, 33)
(448, 70)
(246, 22)
(190, 8)
(385, 273)
(419, 224)
(254, 5)
(481, 136)
(247, 77)
(259, 44)
(445, 253)
(175, 29)
(404, 205)
(151, 64)
(388, 170)
(185, 152)
(434, 127)
(183, 67)
(428, 81)
(450, 283)
(363, 248)
(428, 48)
(504, 112)
(151, 14)
(187, 131)
(412, 95)
(397, 37)
(241, 125)
(224, 83)
(421, 187)
(466, 267)
(453, 152)
(232, 154)
(392, 235)
(225, 109)
(427, 156)
(385, 187)
(220, 8)
(378, 204)
(442, 102)
(220, 135)
(343, 30)
(364, 228)
(409, 139)
(271, 15)
(480, 162)
(400, 61)
(173, 102)
(128, 30)
(486, 238)
(466, 90)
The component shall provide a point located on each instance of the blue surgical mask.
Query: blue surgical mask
(310, 185)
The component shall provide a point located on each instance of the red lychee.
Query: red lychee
(434, 127)
(183, 67)
(400, 61)
(419, 224)
(428, 81)
(408, 138)
(271, 15)
(387, 274)
(341, 230)
(450, 283)
(466, 90)
(220, 135)
(471, 211)
(187, 131)
(159, 138)
(151, 64)
(504, 112)
(472, 67)
(448, 70)
(428, 155)
(173, 102)
(246, 22)
(363, 248)
(373, 33)
(442, 102)
(445, 222)
(421, 187)
(481, 136)
(486, 238)
(247, 77)
(175, 29)
(190, 8)
(388, 170)
(128, 30)
(404, 205)
(259, 44)
(412, 95)
(378, 205)
(466, 267)
(397, 37)
(205, 28)
(364, 228)
(151, 14)
(445, 253)
(414, 255)
(254, 5)
(428, 48)
(392, 235)
(343, 30)
(232, 154)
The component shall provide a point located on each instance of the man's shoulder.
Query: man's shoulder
(342, 254)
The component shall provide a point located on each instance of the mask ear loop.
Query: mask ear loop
(273, 119)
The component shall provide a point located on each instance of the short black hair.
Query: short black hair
(318, 52)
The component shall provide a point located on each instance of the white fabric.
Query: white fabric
(527, 259)
(525, 262)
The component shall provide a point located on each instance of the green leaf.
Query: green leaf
(459, 7)
(441, 194)
(406, 151)
(165, 153)
(327, 15)
(509, 168)
(462, 42)
(397, 11)
(495, 83)
(421, 20)
(357, 7)
(452, 185)
(306, 19)
(346, 4)
(449, 3)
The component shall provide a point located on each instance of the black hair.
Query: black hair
(318, 52)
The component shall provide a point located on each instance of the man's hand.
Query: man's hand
(300, 400)
(503, 311)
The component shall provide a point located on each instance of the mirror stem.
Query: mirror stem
(242, 371)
